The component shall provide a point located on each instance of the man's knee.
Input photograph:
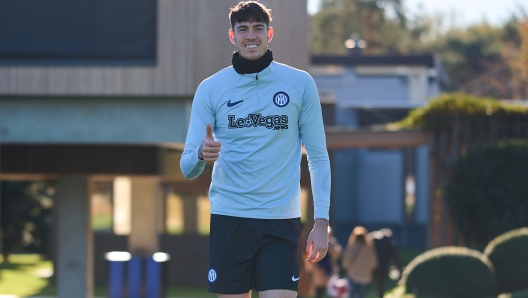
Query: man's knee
(245, 295)
(278, 294)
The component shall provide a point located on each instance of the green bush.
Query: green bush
(509, 255)
(487, 192)
(474, 114)
(450, 272)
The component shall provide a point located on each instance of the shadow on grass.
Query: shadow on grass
(51, 290)
(13, 266)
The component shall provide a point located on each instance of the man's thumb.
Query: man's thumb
(210, 132)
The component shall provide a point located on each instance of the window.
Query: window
(101, 206)
(174, 219)
(410, 197)
(122, 204)
(95, 32)
(204, 215)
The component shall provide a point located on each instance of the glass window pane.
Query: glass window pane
(410, 198)
(122, 204)
(204, 215)
(174, 222)
(101, 205)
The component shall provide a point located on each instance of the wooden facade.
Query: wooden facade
(192, 45)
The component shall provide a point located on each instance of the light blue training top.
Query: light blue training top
(260, 120)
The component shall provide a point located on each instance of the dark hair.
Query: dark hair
(249, 11)
(361, 239)
(359, 234)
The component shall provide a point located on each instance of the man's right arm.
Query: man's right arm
(201, 115)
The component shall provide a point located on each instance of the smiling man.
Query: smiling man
(251, 119)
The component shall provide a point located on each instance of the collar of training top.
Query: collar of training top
(244, 66)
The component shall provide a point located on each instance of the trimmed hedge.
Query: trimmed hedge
(509, 255)
(454, 272)
(487, 192)
(477, 115)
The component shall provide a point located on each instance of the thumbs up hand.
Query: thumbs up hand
(210, 149)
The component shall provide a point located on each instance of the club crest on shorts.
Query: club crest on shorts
(211, 275)
(281, 99)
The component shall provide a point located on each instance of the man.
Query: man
(250, 119)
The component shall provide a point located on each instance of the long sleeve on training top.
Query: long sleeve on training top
(261, 119)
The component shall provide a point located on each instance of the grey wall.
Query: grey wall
(133, 120)
(352, 90)
(368, 186)
(368, 190)
(344, 186)
(380, 186)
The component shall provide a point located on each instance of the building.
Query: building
(384, 185)
(97, 97)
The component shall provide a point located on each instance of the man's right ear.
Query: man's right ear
(231, 36)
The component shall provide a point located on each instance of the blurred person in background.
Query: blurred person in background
(359, 261)
(386, 252)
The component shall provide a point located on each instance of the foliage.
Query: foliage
(399, 292)
(481, 59)
(454, 272)
(380, 23)
(472, 114)
(517, 56)
(467, 52)
(456, 123)
(25, 217)
(507, 252)
(505, 76)
(487, 192)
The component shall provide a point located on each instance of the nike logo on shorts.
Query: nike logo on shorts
(231, 104)
(295, 279)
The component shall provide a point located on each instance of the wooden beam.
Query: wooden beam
(350, 139)
(28, 177)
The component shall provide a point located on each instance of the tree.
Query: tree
(482, 59)
(467, 53)
(379, 23)
(25, 217)
(517, 57)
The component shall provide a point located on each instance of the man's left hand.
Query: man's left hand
(317, 242)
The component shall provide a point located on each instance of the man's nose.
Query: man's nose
(251, 34)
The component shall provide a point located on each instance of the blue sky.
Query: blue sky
(465, 12)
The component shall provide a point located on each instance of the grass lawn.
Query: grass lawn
(20, 275)
(25, 276)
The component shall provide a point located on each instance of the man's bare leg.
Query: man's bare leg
(245, 295)
(278, 294)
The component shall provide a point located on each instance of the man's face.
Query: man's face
(251, 39)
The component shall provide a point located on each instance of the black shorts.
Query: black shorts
(248, 253)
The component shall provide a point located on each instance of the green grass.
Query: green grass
(102, 222)
(19, 277)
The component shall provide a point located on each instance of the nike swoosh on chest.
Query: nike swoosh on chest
(232, 104)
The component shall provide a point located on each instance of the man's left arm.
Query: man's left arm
(312, 133)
